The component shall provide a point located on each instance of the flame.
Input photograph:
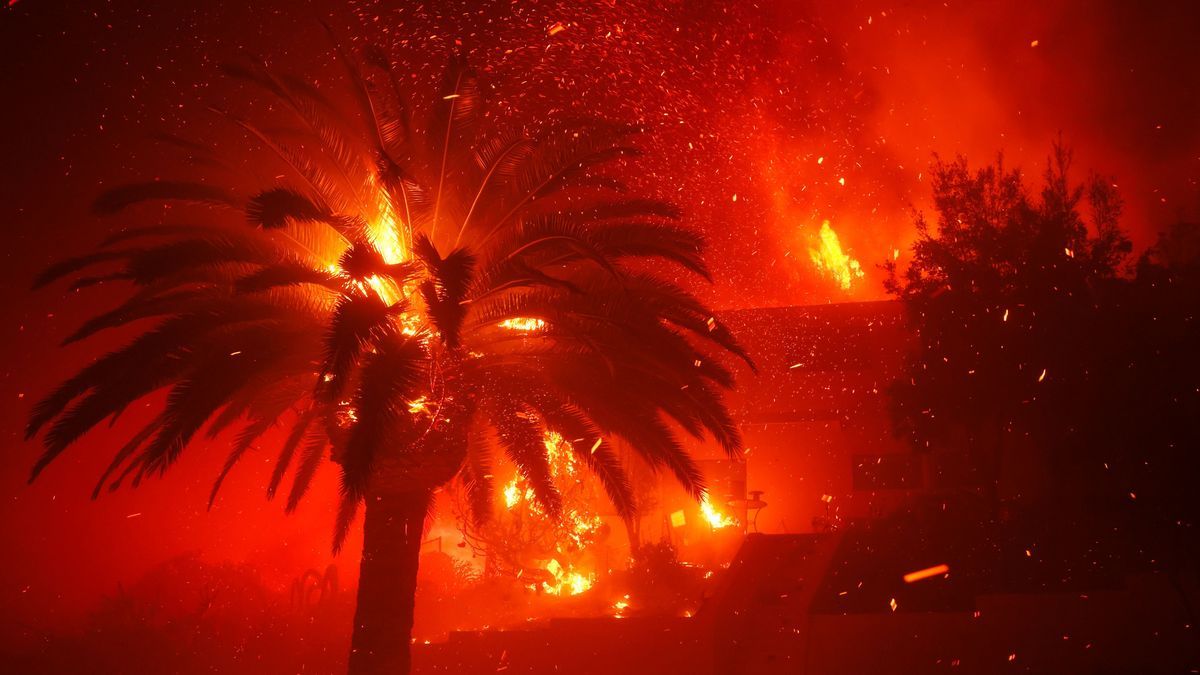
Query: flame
(560, 461)
(567, 581)
(563, 465)
(523, 324)
(620, 606)
(385, 229)
(577, 527)
(346, 415)
(567, 536)
(714, 517)
(575, 583)
(832, 261)
(512, 494)
(381, 288)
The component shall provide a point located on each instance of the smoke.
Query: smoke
(768, 118)
(857, 100)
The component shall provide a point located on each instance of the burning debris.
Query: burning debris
(928, 572)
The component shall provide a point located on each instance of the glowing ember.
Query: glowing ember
(620, 606)
(926, 573)
(715, 518)
(832, 261)
(523, 324)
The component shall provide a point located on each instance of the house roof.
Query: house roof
(818, 361)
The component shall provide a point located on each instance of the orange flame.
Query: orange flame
(715, 518)
(567, 581)
(832, 261)
(563, 466)
(523, 324)
(385, 230)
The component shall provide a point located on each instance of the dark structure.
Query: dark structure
(824, 589)
(776, 612)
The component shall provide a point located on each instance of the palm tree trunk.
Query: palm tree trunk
(387, 583)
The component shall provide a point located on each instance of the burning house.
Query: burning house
(796, 559)
(443, 281)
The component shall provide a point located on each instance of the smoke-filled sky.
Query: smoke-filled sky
(763, 120)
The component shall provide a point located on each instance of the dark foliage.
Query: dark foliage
(1034, 335)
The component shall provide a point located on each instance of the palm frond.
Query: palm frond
(118, 199)
(389, 378)
(245, 439)
(476, 474)
(393, 120)
(316, 178)
(359, 322)
(298, 434)
(72, 265)
(499, 158)
(347, 512)
(362, 261)
(310, 460)
(454, 119)
(523, 442)
(446, 289)
(131, 446)
(358, 84)
(645, 240)
(143, 307)
(272, 209)
(303, 100)
(196, 398)
(588, 446)
(287, 274)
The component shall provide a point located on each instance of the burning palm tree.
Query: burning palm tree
(420, 294)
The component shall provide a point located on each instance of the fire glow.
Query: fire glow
(523, 324)
(832, 261)
(926, 573)
(713, 517)
(578, 528)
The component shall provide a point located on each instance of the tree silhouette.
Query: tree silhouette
(1030, 330)
(1146, 421)
(1006, 295)
(423, 278)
